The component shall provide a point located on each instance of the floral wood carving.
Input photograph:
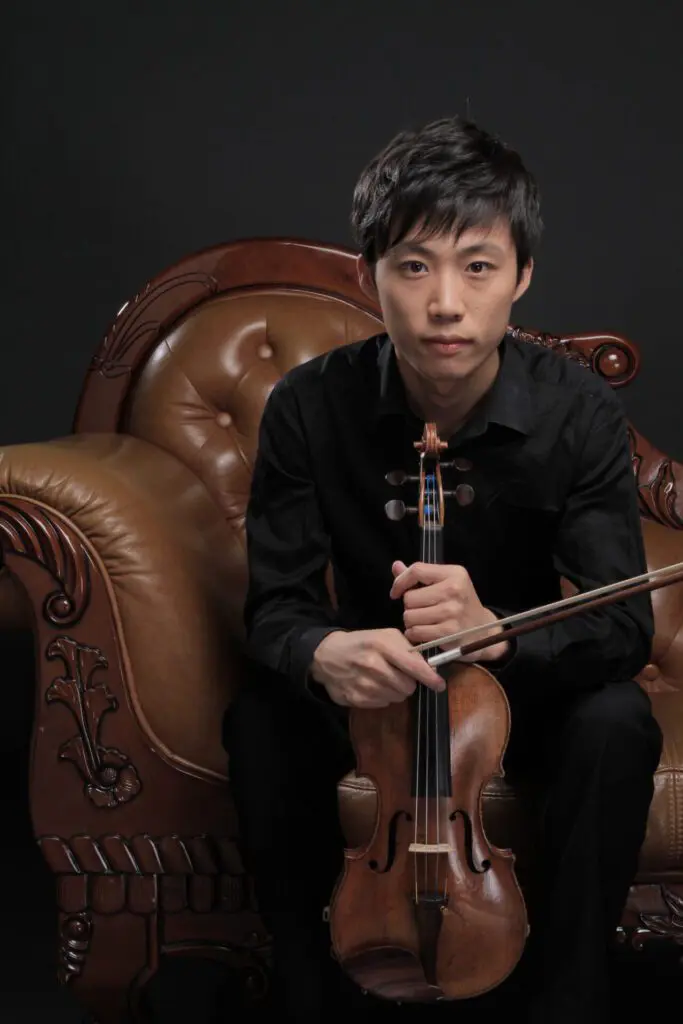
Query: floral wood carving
(30, 532)
(562, 345)
(669, 926)
(658, 497)
(110, 778)
(131, 324)
(74, 944)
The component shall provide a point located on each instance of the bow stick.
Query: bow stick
(529, 620)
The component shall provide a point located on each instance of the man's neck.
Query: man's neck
(451, 406)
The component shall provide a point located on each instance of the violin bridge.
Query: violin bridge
(430, 848)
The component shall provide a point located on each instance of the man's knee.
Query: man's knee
(617, 720)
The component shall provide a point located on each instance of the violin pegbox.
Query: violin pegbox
(430, 489)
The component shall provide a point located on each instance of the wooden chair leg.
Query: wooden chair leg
(106, 959)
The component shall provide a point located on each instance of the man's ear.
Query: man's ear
(525, 280)
(366, 279)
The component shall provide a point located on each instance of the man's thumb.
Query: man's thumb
(398, 567)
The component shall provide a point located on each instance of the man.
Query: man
(447, 220)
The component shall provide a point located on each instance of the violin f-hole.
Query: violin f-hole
(469, 844)
(391, 843)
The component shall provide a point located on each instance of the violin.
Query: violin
(429, 909)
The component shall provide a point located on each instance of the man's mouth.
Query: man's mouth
(447, 343)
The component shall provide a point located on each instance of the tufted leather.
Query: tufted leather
(202, 393)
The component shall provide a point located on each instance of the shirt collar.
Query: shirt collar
(508, 402)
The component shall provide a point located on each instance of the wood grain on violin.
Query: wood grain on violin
(429, 909)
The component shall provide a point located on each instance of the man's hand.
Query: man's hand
(371, 668)
(445, 603)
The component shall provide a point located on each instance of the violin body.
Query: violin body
(429, 910)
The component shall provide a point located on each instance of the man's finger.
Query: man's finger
(394, 678)
(418, 572)
(415, 666)
(428, 596)
(424, 634)
(429, 615)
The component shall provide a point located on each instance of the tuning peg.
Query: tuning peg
(396, 509)
(397, 477)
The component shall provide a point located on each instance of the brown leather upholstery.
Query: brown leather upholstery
(124, 546)
(157, 533)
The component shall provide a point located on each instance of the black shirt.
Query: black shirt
(547, 461)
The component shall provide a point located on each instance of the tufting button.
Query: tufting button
(462, 464)
(224, 419)
(265, 351)
(464, 494)
(650, 672)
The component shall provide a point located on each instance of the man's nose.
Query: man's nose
(446, 300)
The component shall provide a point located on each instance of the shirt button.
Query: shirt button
(464, 494)
(265, 351)
(224, 419)
(462, 464)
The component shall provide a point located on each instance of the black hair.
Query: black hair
(447, 176)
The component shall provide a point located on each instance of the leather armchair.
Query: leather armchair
(124, 552)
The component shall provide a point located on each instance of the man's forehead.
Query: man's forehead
(478, 236)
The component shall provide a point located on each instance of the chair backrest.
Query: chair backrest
(191, 359)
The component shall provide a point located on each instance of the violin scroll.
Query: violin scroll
(430, 445)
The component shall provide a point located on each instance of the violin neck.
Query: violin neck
(432, 544)
(431, 720)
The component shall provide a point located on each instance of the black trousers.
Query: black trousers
(591, 755)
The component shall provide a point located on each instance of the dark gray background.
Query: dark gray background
(141, 131)
(137, 132)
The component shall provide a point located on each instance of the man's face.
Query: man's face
(461, 292)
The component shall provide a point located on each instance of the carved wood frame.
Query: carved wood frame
(146, 876)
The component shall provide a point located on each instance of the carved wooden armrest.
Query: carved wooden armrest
(128, 564)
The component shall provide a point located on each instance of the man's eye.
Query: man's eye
(413, 266)
(479, 266)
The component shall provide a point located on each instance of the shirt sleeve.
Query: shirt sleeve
(288, 610)
(599, 541)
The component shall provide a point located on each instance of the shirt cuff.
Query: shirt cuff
(512, 656)
(529, 651)
(302, 658)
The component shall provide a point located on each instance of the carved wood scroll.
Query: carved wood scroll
(30, 532)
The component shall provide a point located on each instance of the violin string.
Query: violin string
(437, 751)
(419, 740)
(425, 557)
